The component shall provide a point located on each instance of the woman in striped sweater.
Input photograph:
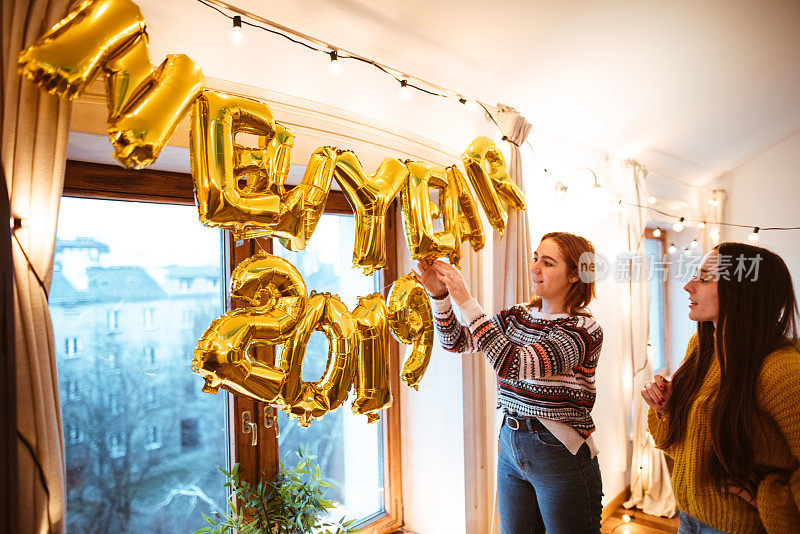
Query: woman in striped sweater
(545, 354)
(730, 416)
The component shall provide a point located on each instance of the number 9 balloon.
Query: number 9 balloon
(411, 322)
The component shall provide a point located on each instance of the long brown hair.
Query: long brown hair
(757, 314)
(578, 252)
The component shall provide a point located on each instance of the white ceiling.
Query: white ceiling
(692, 88)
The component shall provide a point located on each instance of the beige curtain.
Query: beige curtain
(650, 484)
(512, 252)
(511, 283)
(35, 128)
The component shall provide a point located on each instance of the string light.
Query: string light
(236, 35)
(255, 21)
(335, 66)
(626, 518)
(686, 251)
(672, 248)
(657, 232)
(753, 238)
(404, 91)
(694, 243)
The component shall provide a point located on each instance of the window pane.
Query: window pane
(657, 338)
(348, 449)
(142, 442)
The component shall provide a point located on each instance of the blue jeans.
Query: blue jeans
(690, 525)
(542, 486)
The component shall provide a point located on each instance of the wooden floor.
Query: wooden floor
(640, 523)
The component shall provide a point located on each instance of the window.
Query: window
(116, 445)
(151, 397)
(71, 347)
(155, 441)
(657, 340)
(113, 320)
(114, 406)
(187, 318)
(122, 420)
(190, 435)
(73, 434)
(72, 389)
(348, 449)
(148, 317)
(196, 426)
(150, 356)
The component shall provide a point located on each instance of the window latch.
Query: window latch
(249, 427)
(271, 419)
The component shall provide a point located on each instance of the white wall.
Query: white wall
(765, 191)
(563, 159)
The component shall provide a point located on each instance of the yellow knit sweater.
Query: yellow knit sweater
(776, 447)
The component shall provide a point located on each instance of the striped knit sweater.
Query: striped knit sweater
(545, 363)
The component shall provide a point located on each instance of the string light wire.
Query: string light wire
(317, 45)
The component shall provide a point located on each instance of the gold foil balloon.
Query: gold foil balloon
(372, 369)
(69, 55)
(311, 400)
(261, 206)
(144, 104)
(419, 213)
(216, 118)
(370, 198)
(486, 168)
(411, 322)
(265, 168)
(302, 206)
(277, 294)
(468, 216)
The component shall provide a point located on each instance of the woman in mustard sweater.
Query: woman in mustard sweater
(730, 416)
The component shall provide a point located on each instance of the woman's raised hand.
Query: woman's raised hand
(429, 278)
(656, 393)
(454, 280)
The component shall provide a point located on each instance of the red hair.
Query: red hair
(578, 252)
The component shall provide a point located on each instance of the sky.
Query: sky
(139, 233)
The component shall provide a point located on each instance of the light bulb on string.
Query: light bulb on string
(701, 225)
(335, 66)
(657, 232)
(753, 238)
(714, 234)
(236, 35)
(600, 198)
(694, 243)
(651, 200)
(405, 90)
(678, 226)
(672, 248)
(686, 251)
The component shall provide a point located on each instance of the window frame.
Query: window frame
(109, 182)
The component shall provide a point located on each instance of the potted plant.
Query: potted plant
(292, 503)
